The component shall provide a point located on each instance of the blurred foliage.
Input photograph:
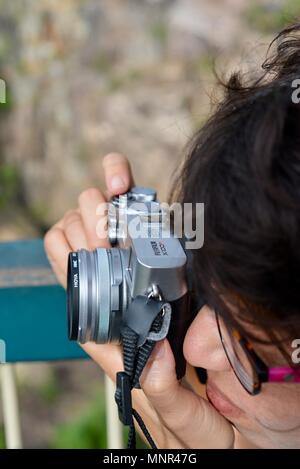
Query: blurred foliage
(9, 177)
(9, 181)
(271, 17)
(102, 63)
(2, 438)
(37, 213)
(50, 390)
(116, 80)
(159, 32)
(84, 432)
(87, 431)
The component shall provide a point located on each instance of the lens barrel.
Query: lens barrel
(96, 295)
(73, 296)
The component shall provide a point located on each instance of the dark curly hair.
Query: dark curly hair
(244, 164)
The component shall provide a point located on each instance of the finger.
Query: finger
(192, 419)
(109, 358)
(57, 249)
(118, 175)
(92, 206)
(74, 230)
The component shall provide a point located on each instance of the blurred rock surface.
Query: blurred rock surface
(90, 77)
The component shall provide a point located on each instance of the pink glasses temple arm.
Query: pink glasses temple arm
(283, 374)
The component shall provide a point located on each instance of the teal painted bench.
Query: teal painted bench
(33, 319)
(33, 327)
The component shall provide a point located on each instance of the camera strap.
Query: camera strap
(145, 321)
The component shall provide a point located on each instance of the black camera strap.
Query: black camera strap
(145, 321)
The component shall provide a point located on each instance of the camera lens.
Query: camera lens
(73, 295)
(96, 295)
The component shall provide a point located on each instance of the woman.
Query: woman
(245, 166)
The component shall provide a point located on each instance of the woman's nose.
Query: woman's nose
(202, 344)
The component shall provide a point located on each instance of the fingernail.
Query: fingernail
(117, 183)
(158, 351)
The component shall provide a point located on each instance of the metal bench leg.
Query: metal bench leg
(113, 425)
(11, 413)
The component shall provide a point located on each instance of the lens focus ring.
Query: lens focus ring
(97, 295)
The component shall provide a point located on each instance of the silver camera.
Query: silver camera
(146, 259)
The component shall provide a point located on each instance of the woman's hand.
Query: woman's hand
(176, 417)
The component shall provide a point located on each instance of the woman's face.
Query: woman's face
(269, 420)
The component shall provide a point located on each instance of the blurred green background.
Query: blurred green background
(87, 77)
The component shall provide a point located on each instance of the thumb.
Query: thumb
(159, 373)
(188, 416)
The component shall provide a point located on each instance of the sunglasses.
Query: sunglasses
(248, 367)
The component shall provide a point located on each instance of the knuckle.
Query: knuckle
(154, 388)
(91, 193)
(71, 216)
